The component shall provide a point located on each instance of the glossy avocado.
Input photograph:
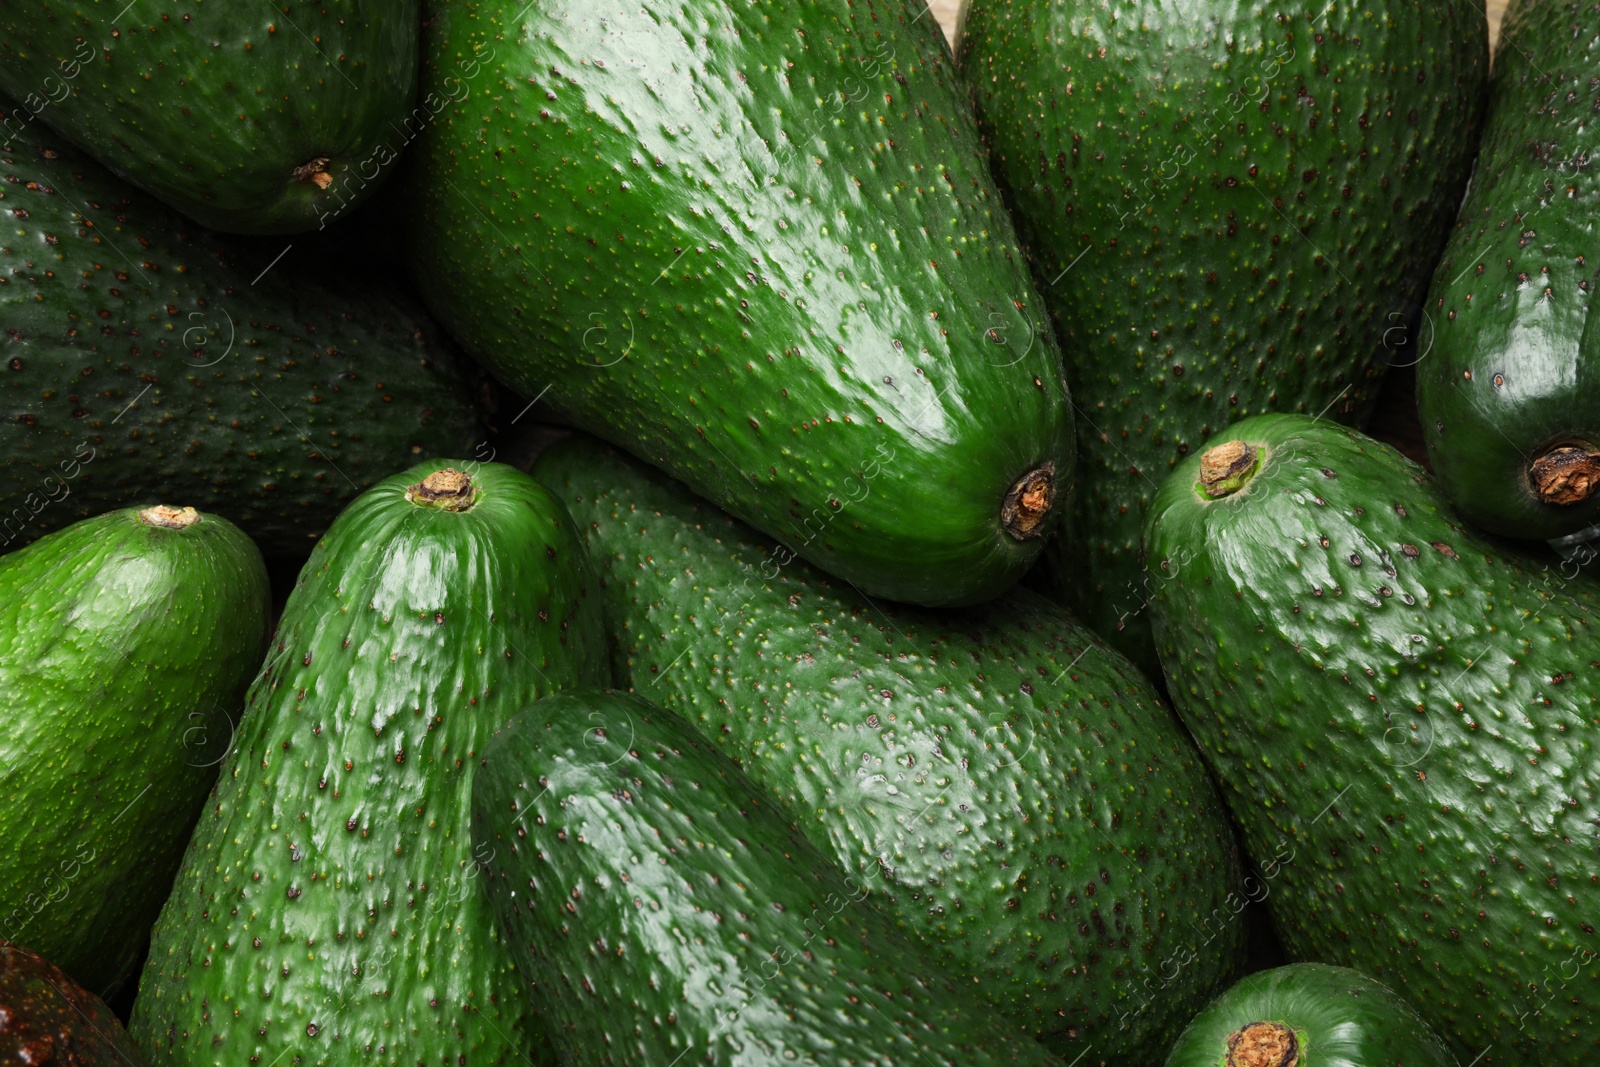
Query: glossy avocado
(1011, 789)
(250, 118)
(663, 909)
(126, 645)
(757, 245)
(48, 1020)
(146, 357)
(1231, 208)
(1413, 710)
(327, 911)
(1509, 397)
(1309, 1015)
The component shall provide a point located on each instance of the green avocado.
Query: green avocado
(147, 357)
(248, 117)
(1231, 209)
(1309, 1015)
(756, 244)
(1408, 714)
(327, 911)
(1013, 791)
(663, 909)
(48, 1020)
(1509, 398)
(126, 645)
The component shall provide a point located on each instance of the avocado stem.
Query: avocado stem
(447, 489)
(1226, 468)
(1566, 474)
(1263, 1044)
(314, 171)
(169, 518)
(1027, 503)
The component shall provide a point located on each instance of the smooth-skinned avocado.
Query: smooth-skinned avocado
(250, 118)
(1012, 790)
(126, 644)
(328, 910)
(48, 1020)
(1231, 208)
(757, 245)
(662, 908)
(1509, 396)
(1414, 709)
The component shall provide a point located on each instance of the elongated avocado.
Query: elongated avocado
(327, 911)
(1414, 709)
(757, 245)
(251, 118)
(662, 907)
(48, 1020)
(126, 645)
(146, 356)
(1309, 1015)
(1509, 397)
(1013, 791)
(1231, 209)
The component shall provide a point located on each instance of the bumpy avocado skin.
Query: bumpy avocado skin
(1013, 791)
(51, 1021)
(1410, 712)
(328, 910)
(661, 906)
(125, 652)
(146, 358)
(757, 245)
(1515, 365)
(1232, 208)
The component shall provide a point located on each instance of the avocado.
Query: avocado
(327, 910)
(661, 905)
(1404, 711)
(148, 357)
(1013, 790)
(757, 246)
(1305, 1015)
(48, 1020)
(1230, 210)
(249, 118)
(1509, 397)
(126, 645)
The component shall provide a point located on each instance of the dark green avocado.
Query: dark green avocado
(1309, 1015)
(1011, 789)
(1232, 208)
(145, 357)
(756, 244)
(48, 1020)
(248, 117)
(663, 909)
(126, 645)
(1410, 712)
(1509, 397)
(328, 911)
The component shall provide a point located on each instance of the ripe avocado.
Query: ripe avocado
(327, 911)
(146, 356)
(758, 246)
(1231, 209)
(1013, 790)
(1509, 398)
(126, 645)
(1411, 710)
(48, 1020)
(251, 118)
(661, 906)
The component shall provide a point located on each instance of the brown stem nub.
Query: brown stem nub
(449, 489)
(314, 171)
(169, 518)
(1225, 468)
(1567, 474)
(1263, 1045)
(1028, 502)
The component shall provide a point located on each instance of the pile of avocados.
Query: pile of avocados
(757, 533)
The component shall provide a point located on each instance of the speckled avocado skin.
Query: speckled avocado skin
(225, 109)
(663, 909)
(1515, 366)
(142, 355)
(48, 1020)
(1411, 712)
(1232, 208)
(1011, 790)
(757, 245)
(328, 911)
(125, 651)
